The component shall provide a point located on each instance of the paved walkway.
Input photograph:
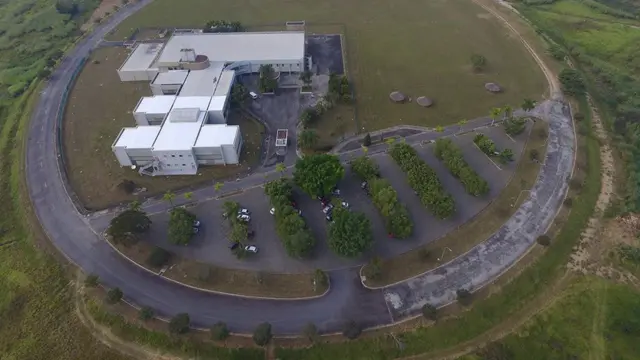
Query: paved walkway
(71, 234)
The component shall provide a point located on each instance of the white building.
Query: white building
(184, 124)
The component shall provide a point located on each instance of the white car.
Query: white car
(244, 217)
(244, 211)
(345, 205)
(251, 249)
(196, 223)
(272, 211)
(327, 209)
(253, 95)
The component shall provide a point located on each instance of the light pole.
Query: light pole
(518, 197)
(442, 255)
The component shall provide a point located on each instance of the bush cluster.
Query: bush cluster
(423, 180)
(290, 226)
(514, 125)
(239, 229)
(451, 155)
(489, 147)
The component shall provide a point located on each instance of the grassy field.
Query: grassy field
(421, 48)
(234, 281)
(99, 106)
(564, 332)
(479, 228)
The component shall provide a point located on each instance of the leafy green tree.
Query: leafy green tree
(308, 139)
(367, 140)
(230, 209)
(218, 186)
(188, 195)
(485, 144)
(159, 257)
(451, 155)
(429, 312)
(495, 114)
(508, 111)
(572, 82)
(308, 117)
(318, 174)
(464, 296)
(239, 94)
(128, 226)
(69, 7)
(179, 324)
(181, 226)
(267, 80)
(219, 331)
(146, 313)
(114, 296)
(350, 234)
(278, 188)
(528, 104)
(365, 168)
(239, 231)
(557, 52)
(397, 220)
(514, 126)
(262, 334)
(478, 62)
(506, 156)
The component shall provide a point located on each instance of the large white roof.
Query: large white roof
(202, 82)
(142, 57)
(229, 47)
(225, 83)
(171, 77)
(191, 102)
(160, 104)
(180, 134)
(216, 135)
(217, 103)
(141, 137)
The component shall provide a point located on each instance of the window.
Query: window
(180, 155)
(184, 164)
(173, 156)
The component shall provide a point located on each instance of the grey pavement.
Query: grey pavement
(72, 234)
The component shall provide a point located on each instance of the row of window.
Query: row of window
(175, 156)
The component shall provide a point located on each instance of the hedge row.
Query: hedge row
(424, 181)
(397, 220)
(489, 147)
(451, 155)
(290, 226)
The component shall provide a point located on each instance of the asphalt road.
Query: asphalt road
(72, 234)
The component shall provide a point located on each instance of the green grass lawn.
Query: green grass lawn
(564, 332)
(421, 48)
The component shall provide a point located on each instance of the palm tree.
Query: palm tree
(390, 140)
(135, 205)
(281, 168)
(169, 196)
(188, 195)
(508, 111)
(494, 114)
(439, 128)
(217, 186)
(528, 104)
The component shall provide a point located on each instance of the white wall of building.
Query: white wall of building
(177, 161)
(165, 89)
(122, 156)
(138, 75)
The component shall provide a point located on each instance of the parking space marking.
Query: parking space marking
(487, 156)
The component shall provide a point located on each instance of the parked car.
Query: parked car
(272, 211)
(329, 218)
(244, 211)
(327, 209)
(196, 223)
(251, 249)
(244, 217)
(345, 204)
(196, 230)
(335, 191)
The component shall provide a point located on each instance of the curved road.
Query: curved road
(72, 234)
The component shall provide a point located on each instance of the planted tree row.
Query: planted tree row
(290, 226)
(423, 180)
(489, 147)
(397, 220)
(350, 233)
(451, 155)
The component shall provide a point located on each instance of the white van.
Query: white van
(253, 95)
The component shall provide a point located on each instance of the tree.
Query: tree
(181, 226)
(128, 226)
(218, 186)
(350, 234)
(219, 331)
(557, 52)
(439, 128)
(495, 114)
(159, 257)
(429, 312)
(300, 243)
(367, 140)
(179, 324)
(281, 168)
(91, 280)
(528, 104)
(365, 168)
(351, 330)
(69, 7)
(222, 26)
(506, 156)
(310, 331)
(169, 197)
(544, 240)
(229, 209)
(305, 77)
(534, 154)
(308, 139)
(478, 62)
(572, 82)
(508, 111)
(146, 313)
(239, 231)
(451, 155)
(320, 279)
(239, 94)
(514, 126)
(44, 73)
(114, 296)
(461, 123)
(373, 269)
(262, 334)
(464, 297)
(267, 81)
(188, 195)
(308, 116)
(318, 174)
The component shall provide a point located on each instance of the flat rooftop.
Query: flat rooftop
(202, 82)
(179, 132)
(160, 104)
(216, 135)
(141, 137)
(230, 47)
(192, 102)
(142, 57)
(217, 103)
(172, 77)
(225, 82)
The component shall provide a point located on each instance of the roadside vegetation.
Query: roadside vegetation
(451, 156)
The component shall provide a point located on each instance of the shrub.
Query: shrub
(159, 257)
(429, 312)
(464, 297)
(127, 186)
(446, 151)
(506, 156)
(485, 144)
(478, 62)
(91, 280)
(180, 226)
(351, 330)
(572, 82)
(114, 296)
(534, 155)
(568, 202)
(179, 324)
(310, 331)
(578, 116)
(320, 278)
(544, 240)
(373, 269)
(262, 334)
(146, 313)
(367, 140)
(514, 126)
(350, 233)
(396, 216)
(365, 168)
(219, 331)
(423, 180)
(557, 52)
